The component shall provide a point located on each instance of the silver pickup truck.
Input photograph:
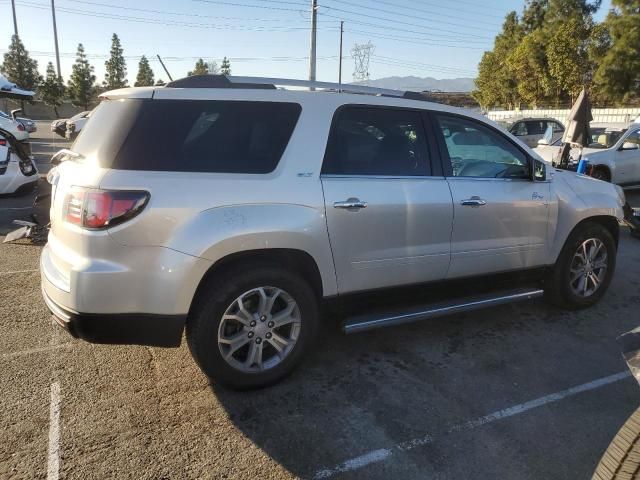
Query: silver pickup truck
(238, 210)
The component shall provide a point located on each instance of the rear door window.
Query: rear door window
(378, 142)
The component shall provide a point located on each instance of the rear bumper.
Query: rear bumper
(135, 328)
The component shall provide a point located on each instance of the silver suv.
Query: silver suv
(238, 209)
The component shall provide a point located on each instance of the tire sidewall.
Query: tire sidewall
(202, 329)
(562, 269)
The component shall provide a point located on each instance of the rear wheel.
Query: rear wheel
(251, 328)
(584, 268)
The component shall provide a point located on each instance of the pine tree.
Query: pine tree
(160, 83)
(618, 75)
(52, 89)
(81, 83)
(115, 68)
(145, 74)
(18, 67)
(225, 68)
(201, 68)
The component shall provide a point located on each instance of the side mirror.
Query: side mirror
(543, 141)
(539, 171)
(629, 146)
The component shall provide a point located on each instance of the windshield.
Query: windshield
(604, 138)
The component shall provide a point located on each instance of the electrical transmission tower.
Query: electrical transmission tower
(361, 54)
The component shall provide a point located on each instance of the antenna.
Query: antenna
(361, 53)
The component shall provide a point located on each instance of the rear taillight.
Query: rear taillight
(99, 209)
(3, 142)
(20, 127)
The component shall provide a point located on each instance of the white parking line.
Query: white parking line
(35, 350)
(20, 271)
(384, 453)
(15, 208)
(53, 464)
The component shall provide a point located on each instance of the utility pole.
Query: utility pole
(15, 22)
(312, 53)
(165, 68)
(55, 38)
(340, 63)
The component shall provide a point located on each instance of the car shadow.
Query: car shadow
(372, 390)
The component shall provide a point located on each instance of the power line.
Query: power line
(399, 22)
(440, 6)
(168, 22)
(422, 64)
(410, 40)
(435, 36)
(236, 4)
(405, 15)
(183, 14)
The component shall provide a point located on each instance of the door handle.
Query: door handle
(350, 204)
(473, 202)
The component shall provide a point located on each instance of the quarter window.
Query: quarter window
(377, 141)
(477, 151)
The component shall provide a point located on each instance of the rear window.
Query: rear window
(193, 135)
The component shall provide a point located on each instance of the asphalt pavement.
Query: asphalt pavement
(522, 391)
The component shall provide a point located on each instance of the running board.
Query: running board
(362, 323)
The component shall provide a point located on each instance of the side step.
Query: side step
(362, 323)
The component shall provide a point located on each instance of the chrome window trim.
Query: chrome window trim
(381, 177)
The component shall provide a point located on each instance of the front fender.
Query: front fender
(580, 198)
(215, 233)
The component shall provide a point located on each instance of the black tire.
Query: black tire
(557, 284)
(218, 294)
(622, 459)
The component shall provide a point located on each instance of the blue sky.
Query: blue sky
(266, 37)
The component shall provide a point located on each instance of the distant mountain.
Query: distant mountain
(419, 84)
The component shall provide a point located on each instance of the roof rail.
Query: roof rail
(228, 81)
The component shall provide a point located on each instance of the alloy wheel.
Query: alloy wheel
(588, 267)
(259, 329)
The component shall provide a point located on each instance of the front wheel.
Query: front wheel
(584, 268)
(252, 327)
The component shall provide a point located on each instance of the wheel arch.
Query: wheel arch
(295, 260)
(605, 168)
(607, 221)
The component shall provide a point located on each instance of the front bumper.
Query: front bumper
(127, 329)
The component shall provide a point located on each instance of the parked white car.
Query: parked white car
(18, 172)
(14, 127)
(614, 153)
